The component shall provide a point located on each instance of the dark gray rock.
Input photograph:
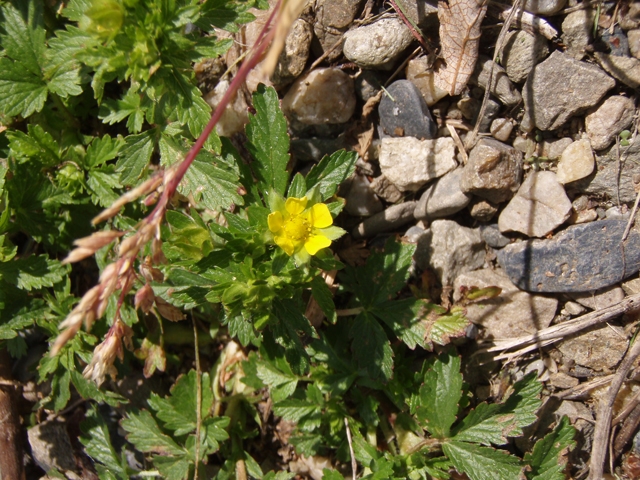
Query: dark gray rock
(386, 221)
(612, 177)
(404, 113)
(561, 87)
(582, 258)
(616, 42)
(313, 149)
(493, 237)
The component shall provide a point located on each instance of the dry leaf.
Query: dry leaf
(459, 36)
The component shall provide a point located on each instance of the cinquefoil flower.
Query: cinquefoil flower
(301, 227)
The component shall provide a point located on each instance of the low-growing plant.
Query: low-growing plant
(99, 107)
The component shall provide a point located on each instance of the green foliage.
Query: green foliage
(97, 98)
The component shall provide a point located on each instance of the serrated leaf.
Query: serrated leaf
(440, 327)
(102, 184)
(16, 347)
(223, 14)
(97, 443)
(114, 111)
(285, 335)
(179, 410)
(331, 475)
(298, 186)
(172, 468)
(268, 141)
(488, 424)
(21, 93)
(331, 172)
(371, 347)
(33, 272)
(12, 327)
(548, 459)
(62, 70)
(294, 409)
(402, 316)
(37, 144)
(144, 433)
(101, 150)
(440, 395)
(482, 463)
(135, 155)
(24, 37)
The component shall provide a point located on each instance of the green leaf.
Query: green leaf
(548, 459)
(322, 294)
(97, 443)
(298, 186)
(17, 347)
(488, 424)
(282, 384)
(101, 150)
(144, 433)
(403, 317)
(12, 327)
(22, 88)
(223, 14)
(135, 155)
(33, 272)
(294, 409)
(178, 411)
(331, 172)
(371, 347)
(285, 334)
(440, 395)
(172, 468)
(62, 70)
(268, 141)
(440, 326)
(38, 145)
(114, 111)
(482, 463)
(103, 184)
(331, 475)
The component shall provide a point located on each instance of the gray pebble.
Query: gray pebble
(403, 112)
(442, 198)
(377, 45)
(386, 221)
(492, 235)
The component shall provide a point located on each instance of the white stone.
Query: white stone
(521, 52)
(513, 313)
(377, 45)
(540, 205)
(600, 298)
(325, 95)
(634, 42)
(419, 73)
(544, 7)
(501, 129)
(450, 249)
(409, 163)
(576, 162)
(614, 115)
(235, 116)
(442, 198)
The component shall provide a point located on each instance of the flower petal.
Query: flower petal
(275, 221)
(315, 243)
(285, 244)
(295, 206)
(320, 216)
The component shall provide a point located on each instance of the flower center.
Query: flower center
(296, 228)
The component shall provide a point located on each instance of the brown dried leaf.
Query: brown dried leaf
(459, 35)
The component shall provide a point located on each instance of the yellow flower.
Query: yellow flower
(302, 230)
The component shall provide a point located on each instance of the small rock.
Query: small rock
(313, 149)
(367, 84)
(377, 45)
(386, 221)
(574, 308)
(634, 42)
(324, 95)
(490, 111)
(501, 129)
(521, 52)
(409, 163)
(469, 107)
(540, 206)
(413, 234)
(612, 177)
(553, 149)
(51, 446)
(421, 75)
(576, 162)
(563, 381)
(631, 287)
(616, 42)
(599, 299)
(333, 18)
(566, 263)
(625, 69)
(295, 53)
(493, 237)
(385, 189)
(361, 201)
(511, 314)
(501, 86)
(561, 87)
(442, 198)
(631, 18)
(235, 115)
(420, 13)
(544, 7)
(577, 28)
(617, 213)
(583, 216)
(449, 250)
(403, 112)
(600, 348)
(614, 115)
(493, 171)
(482, 210)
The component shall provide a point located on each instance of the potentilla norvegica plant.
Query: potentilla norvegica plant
(225, 252)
